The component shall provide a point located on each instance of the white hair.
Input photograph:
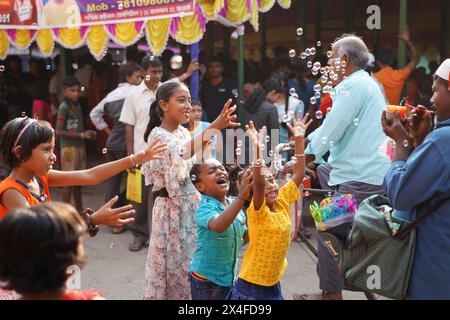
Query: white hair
(354, 48)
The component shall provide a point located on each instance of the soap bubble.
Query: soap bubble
(328, 109)
(75, 66)
(313, 100)
(271, 153)
(2, 68)
(239, 143)
(286, 118)
(329, 54)
(319, 43)
(120, 6)
(317, 87)
(329, 194)
(356, 122)
(48, 67)
(24, 114)
(292, 53)
(315, 72)
(324, 140)
(319, 115)
(267, 139)
(405, 143)
(331, 144)
(104, 151)
(238, 151)
(317, 95)
(313, 51)
(112, 245)
(176, 62)
(309, 64)
(82, 89)
(292, 91)
(308, 52)
(193, 177)
(303, 55)
(299, 31)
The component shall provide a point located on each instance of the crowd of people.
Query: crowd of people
(198, 211)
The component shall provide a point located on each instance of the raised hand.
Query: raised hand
(226, 117)
(405, 36)
(193, 66)
(117, 217)
(254, 135)
(246, 186)
(154, 151)
(299, 127)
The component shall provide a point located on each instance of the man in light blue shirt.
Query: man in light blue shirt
(352, 134)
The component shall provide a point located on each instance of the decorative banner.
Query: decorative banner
(211, 8)
(75, 13)
(45, 42)
(21, 38)
(19, 13)
(157, 32)
(97, 41)
(189, 29)
(70, 38)
(125, 33)
(4, 44)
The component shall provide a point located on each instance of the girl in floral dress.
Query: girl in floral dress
(173, 234)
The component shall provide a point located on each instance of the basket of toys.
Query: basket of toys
(335, 214)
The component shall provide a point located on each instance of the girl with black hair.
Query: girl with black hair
(26, 146)
(37, 246)
(173, 234)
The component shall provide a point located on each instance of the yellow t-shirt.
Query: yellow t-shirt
(264, 262)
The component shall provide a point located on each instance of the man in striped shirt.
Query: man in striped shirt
(352, 134)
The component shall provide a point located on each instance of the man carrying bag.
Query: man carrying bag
(384, 253)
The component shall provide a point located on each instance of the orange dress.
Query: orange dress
(11, 183)
(81, 295)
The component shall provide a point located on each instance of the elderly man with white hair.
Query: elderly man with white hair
(352, 134)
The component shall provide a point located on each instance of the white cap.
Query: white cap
(371, 62)
(444, 70)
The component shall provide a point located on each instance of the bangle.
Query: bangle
(299, 155)
(92, 229)
(131, 160)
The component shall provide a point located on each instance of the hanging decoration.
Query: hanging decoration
(124, 24)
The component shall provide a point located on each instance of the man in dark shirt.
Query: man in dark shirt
(216, 90)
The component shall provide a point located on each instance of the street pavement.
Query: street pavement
(112, 269)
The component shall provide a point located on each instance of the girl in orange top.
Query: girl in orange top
(37, 246)
(26, 146)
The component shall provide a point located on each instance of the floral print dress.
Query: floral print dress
(173, 235)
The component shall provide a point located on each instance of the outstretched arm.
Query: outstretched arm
(259, 180)
(95, 175)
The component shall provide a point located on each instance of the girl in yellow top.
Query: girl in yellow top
(269, 223)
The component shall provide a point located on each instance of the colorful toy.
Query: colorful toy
(333, 211)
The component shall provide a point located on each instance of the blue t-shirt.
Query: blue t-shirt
(215, 257)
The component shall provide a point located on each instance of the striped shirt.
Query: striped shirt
(352, 133)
